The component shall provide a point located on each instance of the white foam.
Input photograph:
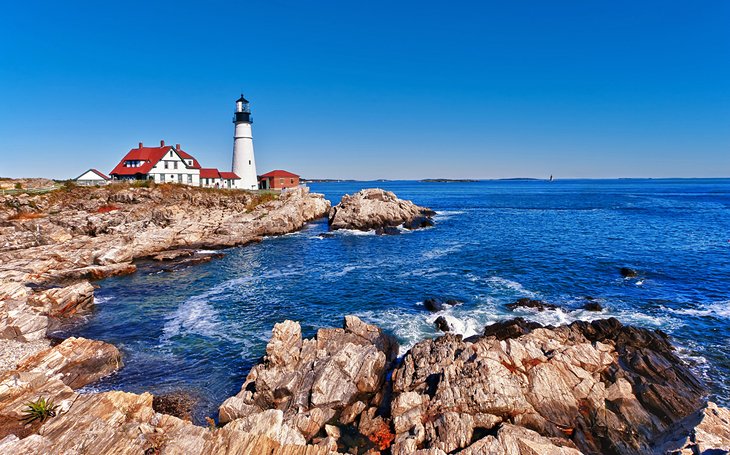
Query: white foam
(443, 215)
(499, 282)
(195, 316)
(439, 252)
(717, 309)
(101, 300)
(353, 232)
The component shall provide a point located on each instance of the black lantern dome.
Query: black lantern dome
(243, 110)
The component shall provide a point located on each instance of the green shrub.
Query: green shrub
(40, 410)
(18, 186)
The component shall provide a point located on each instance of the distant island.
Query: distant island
(448, 180)
(325, 180)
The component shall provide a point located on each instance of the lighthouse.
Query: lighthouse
(244, 163)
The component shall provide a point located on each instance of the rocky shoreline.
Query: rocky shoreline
(518, 388)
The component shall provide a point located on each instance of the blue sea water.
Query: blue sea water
(202, 328)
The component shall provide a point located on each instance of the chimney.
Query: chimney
(141, 145)
(177, 147)
(162, 143)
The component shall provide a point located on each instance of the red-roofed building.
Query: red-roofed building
(278, 180)
(167, 164)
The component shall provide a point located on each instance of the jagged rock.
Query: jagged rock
(435, 305)
(593, 306)
(706, 432)
(387, 230)
(511, 328)
(628, 272)
(377, 209)
(419, 222)
(76, 361)
(19, 321)
(525, 302)
(583, 385)
(66, 301)
(269, 423)
(116, 422)
(311, 381)
(442, 324)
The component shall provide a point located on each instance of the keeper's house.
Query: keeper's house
(167, 164)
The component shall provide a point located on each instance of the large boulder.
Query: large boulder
(334, 377)
(377, 209)
(598, 387)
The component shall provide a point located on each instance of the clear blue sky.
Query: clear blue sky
(378, 89)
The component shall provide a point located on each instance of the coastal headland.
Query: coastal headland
(516, 388)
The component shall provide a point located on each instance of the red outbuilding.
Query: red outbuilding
(278, 180)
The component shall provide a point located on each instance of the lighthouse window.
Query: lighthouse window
(249, 162)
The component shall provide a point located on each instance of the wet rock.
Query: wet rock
(525, 302)
(443, 325)
(435, 305)
(511, 328)
(592, 306)
(387, 230)
(628, 272)
(179, 404)
(375, 208)
(325, 235)
(419, 222)
(172, 255)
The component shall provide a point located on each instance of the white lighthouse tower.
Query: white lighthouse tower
(244, 163)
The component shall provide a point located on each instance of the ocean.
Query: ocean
(201, 329)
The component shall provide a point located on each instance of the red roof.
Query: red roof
(278, 173)
(149, 156)
(229, 175)
(187, 156)
(209, 173)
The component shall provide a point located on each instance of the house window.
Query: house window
(179, 178)
(167, 165)
(190, 179)
(162, 178)
(175, 164)
(170, 153)
(291, 181)
(281, 181)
